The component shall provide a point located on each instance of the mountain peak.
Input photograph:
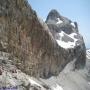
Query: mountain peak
(53, 16)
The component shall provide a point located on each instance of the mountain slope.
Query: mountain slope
(88, 53)
(68, 79)
(32, 46)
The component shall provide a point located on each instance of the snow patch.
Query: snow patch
(73, 24)
(89, 83)
(59, 21)
(65, 44)
(88, 54)
(68, 44)
(72, 36)
(61, 34)
(34, 82)
(57, 87)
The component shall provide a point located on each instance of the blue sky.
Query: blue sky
(76, 10)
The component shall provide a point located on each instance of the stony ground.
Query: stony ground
(69, 79)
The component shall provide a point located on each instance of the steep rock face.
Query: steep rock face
(24, 37)
(29, 40)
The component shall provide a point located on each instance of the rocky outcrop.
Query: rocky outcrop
(33, 43)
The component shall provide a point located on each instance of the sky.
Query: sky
(76, 10)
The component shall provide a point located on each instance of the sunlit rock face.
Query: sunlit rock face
(38, 47)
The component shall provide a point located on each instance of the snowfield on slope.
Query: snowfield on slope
(68, 44)
(59, 21)
(88, 53)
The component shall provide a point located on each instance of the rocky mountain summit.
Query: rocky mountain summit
(67, 35)
(40, 49)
